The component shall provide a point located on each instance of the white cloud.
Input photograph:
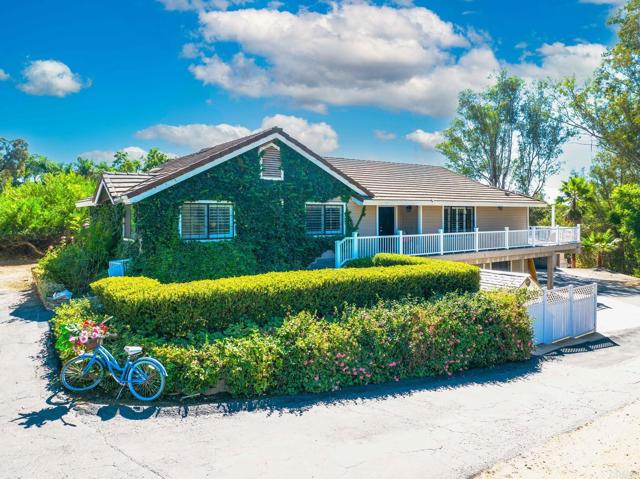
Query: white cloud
(134, 152)
(195, 135)
(384, 135)
(190, 50)
(354, 54)
(3, 75)
(558, 60)
(427, 140)
(605, 2)
(51, 78)
(319, 137)
(363, 54)
(200, 5)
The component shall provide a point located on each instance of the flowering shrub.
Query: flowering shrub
(75, 325)
(387, 342)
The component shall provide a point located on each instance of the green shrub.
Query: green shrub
(359, 263)
(177, 309)
(191, 261)
(387, 342)
(42, 211)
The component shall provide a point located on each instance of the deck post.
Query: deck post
(557, 235)
(441, 238)
(578, 232)
(420, 219)
(476, 242)
(400, 243)
(354, 246)
(337, 254)
(533, 234)
(550, 272)
(506, 237)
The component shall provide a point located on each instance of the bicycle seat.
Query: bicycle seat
(133, 350)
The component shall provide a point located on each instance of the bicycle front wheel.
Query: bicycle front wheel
(146, 380)
(82, 373)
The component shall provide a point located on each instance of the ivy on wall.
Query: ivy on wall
(269, 215)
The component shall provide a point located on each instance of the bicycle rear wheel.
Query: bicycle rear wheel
(82, 373)
(146, 380)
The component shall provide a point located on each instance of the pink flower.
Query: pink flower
(83, 337)
(341, 365)
(392, 364)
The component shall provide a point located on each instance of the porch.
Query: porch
(479, 246)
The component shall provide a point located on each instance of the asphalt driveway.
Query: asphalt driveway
(429, 428)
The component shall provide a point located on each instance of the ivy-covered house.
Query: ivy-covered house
(267, 202)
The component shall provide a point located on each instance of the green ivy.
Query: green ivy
(269, 215)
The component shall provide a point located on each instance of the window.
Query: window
(325, 219)
(270, 164)
(458, 219)
(206, 220)
(128, 224)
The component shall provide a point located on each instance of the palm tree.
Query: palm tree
(600, 243)
(576, 193)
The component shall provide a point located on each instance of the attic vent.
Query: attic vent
(271, 166)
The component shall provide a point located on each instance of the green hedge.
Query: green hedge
(390, 259)
(180, 308)
(387, 342)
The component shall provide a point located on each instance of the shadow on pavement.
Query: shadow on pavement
(56, 411)
(609, 288)
(587, 346)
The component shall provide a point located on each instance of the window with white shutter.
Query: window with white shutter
(324, 219)
(270, 164)
(206, 220)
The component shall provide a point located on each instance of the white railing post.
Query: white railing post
(595, 306)
(441, 238)
(572, 324)
(476, 242)
(354, 246)
(544, 317)
(578, 232)
(533, 231)
(557, 235)
(337, 254)
(506, 237)
(400, 245)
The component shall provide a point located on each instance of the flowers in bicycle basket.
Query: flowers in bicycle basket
(86, 335)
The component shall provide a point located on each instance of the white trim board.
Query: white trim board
(407, 202)
(233, 154)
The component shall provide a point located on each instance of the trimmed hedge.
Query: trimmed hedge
(387, 342)
(178, 309)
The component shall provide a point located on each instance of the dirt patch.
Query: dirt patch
(607, 447)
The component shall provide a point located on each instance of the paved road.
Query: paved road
(429, 428)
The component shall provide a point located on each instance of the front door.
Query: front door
(386, 220)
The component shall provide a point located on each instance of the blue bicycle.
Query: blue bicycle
(145, 376)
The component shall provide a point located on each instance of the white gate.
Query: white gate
(563, 313)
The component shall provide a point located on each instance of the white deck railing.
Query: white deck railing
(448, 243)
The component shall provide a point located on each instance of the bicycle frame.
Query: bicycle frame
(102, 355)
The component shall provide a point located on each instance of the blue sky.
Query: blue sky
(368, 80)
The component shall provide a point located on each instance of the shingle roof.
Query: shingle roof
(492, 279)
(421, 182)
(378, 180)
(118, 184)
